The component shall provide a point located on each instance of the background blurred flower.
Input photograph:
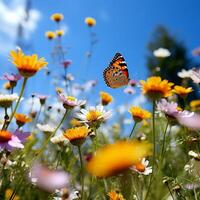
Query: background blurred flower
(129, 90)
(46, 128)
(47, 179)
(115, 158)
(196, 52)
(11, 77)
(195, 104)
(113, 195)
(50, 35)
(161, 53)
(90, 21)
(182, 91)
(106, 98)
(6, 100)
(22, 119)
(57, 17)
(185, 73)
(60, 32)
(66, 63)
(139, 114)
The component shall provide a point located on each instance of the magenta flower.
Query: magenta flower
(48, 180)
(11, 77)
(66, 63)
(9, 140)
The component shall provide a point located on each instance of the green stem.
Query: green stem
(164, 138)
(53, 133)
(17, 104)
(133, 129)
(154, 150)
(5, 119)
(82, 173)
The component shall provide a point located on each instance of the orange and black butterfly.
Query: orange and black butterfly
(116, 74)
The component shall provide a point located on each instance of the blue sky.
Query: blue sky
(125, 26)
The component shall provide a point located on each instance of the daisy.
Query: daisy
(161, 53)
(46, 128)
(6, 100)
(185, 73)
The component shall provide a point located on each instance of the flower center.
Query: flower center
(140, 167)
(93, 115)
(70, 98)
(5, 136)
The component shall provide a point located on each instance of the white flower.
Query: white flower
(195, 75)
(142, 167)
(46, 128)
(58, 139)
(194, 155)
(161, 53)
(94, 114)
(185, 73)
(7, 99)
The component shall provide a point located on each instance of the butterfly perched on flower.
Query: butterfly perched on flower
(116, 74)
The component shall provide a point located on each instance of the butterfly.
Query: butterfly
(116, 74)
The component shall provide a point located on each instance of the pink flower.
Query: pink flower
(129, 90)
(132, 83)
(11, 77)
(66, 63)
(10, 140)
(47, 179)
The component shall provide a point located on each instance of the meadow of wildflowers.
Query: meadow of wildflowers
(61, 147)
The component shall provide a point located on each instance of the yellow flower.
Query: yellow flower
(60, 33)
(59, 90)
(8, 194)
(195, 104)
(156, 88)
(105, 98)
(90, 21)
(75, 122)
(182, 91)
(115, 195)
(57, 17)
(22, 119)
(7, 86)
(77, 135)
(26, 64)
(139, 114)
(115, 158)
(50, 35)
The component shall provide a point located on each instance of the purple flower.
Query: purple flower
(132, 83)
(70, 102)
(11, 77)
(10, 140)
(47, 179)
(66, 63)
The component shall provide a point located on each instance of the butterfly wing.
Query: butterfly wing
(116, 74)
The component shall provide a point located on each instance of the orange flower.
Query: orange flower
(115, 195)
(117, 157)
(182, 91)
(7, 86)
(106, 98)
(22, 119)
(50, 35)
(57, 17)
(5, 136)
(77, 135)
(90, 21)
(139, 114)
(26, 64)
(156, 88)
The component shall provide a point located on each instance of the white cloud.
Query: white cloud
(13, 13)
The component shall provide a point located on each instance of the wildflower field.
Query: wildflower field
(111, 137)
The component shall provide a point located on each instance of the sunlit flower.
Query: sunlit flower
(60, 33)
(195, 75)
(58, 139)
(57, 17)
(182, 91)
(77, 135)
(75, 122)
(195, 104)
(50, 35)
(26, 64)
(129, 90)
(69, 77)
(106, 98)
(113, 195)
(22, 119)
(142, 167)
(196, 52)
(94, 116)
(115, 158)
(48, 179)
(66, 63)
(90, 21)
(12, 78)
(45, 128)
(139, 114)
(185, 73)
(59, 90)
(161, 53)
(10, 140)
(194, 155)
(6, 100)
(156, 88)
(70, 102)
